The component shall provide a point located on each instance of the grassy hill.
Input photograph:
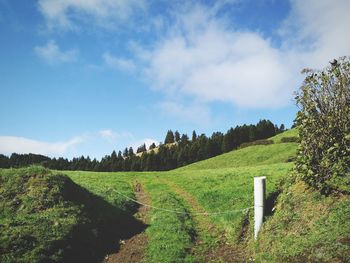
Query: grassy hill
(202, 212)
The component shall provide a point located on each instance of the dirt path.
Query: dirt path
(132, 249)
(223, 251)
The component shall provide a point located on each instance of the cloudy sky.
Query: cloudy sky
(85, 77)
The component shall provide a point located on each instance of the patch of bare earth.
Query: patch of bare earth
(223, 251)
(132, 249)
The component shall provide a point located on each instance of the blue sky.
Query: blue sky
(85, 77)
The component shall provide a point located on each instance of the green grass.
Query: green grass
(249, 156)
(46, 217)
(305, 227)
(289, 133)
(33, 216)
(170, 234)
(228, 189)
(103, 184)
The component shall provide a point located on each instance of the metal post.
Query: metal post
(259, 202)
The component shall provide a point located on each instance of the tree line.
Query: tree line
(176, 151)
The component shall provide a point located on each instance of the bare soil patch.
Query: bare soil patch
(132, 249)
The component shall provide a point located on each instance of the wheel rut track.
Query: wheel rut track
(222, 251)
(133, 249)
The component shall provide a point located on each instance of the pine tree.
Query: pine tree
(141, 149)
(169, 138)
(126, 152)
(194, 136)
(152, 146)
(177, 136)
(184, 139)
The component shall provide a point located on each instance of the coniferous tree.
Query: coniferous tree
(194, 136)
(152, 146)
(131, 152)
(4, 161)
(141, 149)
(184, 139)
(282, 128)
(177, 136)
(126, 152)
(169, 138)
(183, 153)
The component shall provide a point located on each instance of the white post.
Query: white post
(259, 202)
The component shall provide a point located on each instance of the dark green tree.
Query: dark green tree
(142, 148)
(194, 136)
(126, 152)
(177, 136)
(152, 146)
(169, 138)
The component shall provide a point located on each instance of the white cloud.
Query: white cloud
(52, 53)
(108, 134)
(13, 144)
(118, 63)
(205, 58)
(317, 31)
(66, 13)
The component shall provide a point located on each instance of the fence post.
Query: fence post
(259, 202)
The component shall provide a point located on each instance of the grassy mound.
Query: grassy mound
(46, 217)
(307, 227)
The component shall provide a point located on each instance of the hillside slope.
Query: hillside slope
(249, 156)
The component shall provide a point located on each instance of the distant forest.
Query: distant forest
(176, 151)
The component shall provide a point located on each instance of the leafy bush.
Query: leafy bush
(324, 127)
(290, 139)
(257, 142)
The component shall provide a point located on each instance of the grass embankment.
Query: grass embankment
(46, 217)
(307, 227)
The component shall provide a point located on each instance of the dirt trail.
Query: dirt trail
(132, 249)
(223, 251)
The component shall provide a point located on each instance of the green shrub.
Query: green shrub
(257, 142)
(290, 139)
(323, 159)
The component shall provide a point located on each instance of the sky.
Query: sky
(86, 77)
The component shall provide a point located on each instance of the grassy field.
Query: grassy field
(220, 184)
(183, 226)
